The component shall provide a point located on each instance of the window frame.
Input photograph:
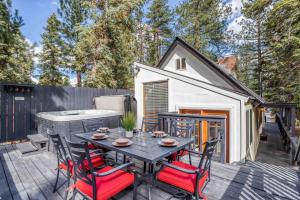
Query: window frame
(180, 63)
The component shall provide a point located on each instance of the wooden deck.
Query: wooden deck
(32, 177)
(272, 151)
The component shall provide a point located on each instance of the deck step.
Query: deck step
(38, 140)
(26, 148)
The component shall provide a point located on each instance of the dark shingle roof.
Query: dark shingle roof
(231, 80)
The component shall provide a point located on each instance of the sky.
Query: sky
(36, 12)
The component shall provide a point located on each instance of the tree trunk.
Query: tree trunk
(259, 56)
(78, 74)
(94, 69)
(157, 55)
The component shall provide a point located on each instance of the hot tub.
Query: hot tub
(71, 115)
(68, 123)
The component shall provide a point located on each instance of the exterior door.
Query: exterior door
(21, 115)
(16, 106)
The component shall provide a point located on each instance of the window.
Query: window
(181, 64)
(214, 132)
(155, 98)
(177, 64)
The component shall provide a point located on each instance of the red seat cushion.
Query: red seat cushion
(64, 166)
(180, 179)
(96, 161)
(107, 186)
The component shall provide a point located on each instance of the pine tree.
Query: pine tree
(254, 52)
(52, 55)
(283, 34)
(73, 14)
(159, 19)
(202, 23)
(142, 34)
(16, 64)
(110, 44)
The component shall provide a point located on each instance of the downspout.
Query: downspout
(241, 131)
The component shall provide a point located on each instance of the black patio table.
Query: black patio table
(144, 148)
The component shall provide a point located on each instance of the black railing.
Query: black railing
(289, 141)
(165, 120)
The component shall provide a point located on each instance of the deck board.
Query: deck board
(33, 177)
(5, 192)
(13, 180)
(48, 168)
(28, 183)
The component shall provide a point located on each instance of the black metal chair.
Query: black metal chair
(187, 178)
(149, 124)
(75, 127)
(182, 128)
(99, 184)
(64, 162)
(92, 125)
(63, 159)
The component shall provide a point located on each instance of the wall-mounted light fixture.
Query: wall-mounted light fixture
(135, 70)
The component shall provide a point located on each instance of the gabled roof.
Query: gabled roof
(239, 87)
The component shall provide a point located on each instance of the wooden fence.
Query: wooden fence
(20, 103)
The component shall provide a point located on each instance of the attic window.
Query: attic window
(181, 64)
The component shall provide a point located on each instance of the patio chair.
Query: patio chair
(99, 184)
(181, 128)
(149, 124)
(64, 162)
(90, 126)
(186, 177)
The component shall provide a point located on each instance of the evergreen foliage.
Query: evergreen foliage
(100, 40)
(52, 55)
(16, 64)
(159, 19)
(73, 14)
(283, 31)
(270, 49)
(202, 23)
(254, 51)
(109, 44)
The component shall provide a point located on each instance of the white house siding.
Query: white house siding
(201, 72)
(186, 95)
